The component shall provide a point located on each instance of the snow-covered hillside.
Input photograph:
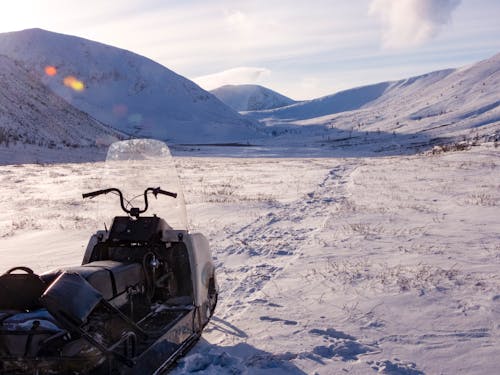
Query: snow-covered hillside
(251, 97)
(143, 98)
(342, 101)
(454, 103)
(31, 114)
(125, 90)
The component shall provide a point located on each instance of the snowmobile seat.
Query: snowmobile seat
(20, 291)
(110, 278)
(124, 275)
(99, 278)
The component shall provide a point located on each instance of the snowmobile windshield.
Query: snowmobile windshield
(45, 222)
(132, 167)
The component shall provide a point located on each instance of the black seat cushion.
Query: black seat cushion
(109, 277)
(98, 277)
(124, 274)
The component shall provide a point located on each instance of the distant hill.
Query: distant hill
(31, 114)
(453, 102)
(459, 99)
(125, 90)
(346, 100)
(251, 97)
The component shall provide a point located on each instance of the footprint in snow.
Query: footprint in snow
(396, 368)
(342, 345)
(345, 350)
(284, 321)
(331, 333)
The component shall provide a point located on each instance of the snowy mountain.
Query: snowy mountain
(31, 114)
(251, 97)
(125, 90)
(448, 103)
(342, 101)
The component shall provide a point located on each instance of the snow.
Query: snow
(251, 97)
(376, 264)
(326, 265)
(125, 90)
(32, 115)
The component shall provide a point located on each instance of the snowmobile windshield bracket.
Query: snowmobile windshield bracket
(133, 211)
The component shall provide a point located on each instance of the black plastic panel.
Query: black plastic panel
(144, 229)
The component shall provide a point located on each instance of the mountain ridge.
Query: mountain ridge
(125, 90)
(452, 102)
(251, 97)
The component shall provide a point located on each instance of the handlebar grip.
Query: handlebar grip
(96, 193)
(173, 195)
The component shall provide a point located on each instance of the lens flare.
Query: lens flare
(73, 83)
(135, 118)
(50, 70)
(120, 110)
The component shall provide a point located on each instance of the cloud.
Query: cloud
(237, 19)
(236, 76)
(408, 23)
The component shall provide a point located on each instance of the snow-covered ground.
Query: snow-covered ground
(326, 265)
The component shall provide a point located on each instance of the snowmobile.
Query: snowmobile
(138, 301)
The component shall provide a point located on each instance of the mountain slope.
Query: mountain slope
(453, 103)
(251, 97)
(125, 90)
(468, 93)
(342, 101)
(31, 114)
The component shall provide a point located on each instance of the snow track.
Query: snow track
(273, 241)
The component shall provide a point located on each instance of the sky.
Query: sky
(302, 49)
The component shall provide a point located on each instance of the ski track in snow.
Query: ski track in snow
(269, 244)
(278, 238)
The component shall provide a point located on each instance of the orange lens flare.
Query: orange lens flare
(120, 110)
(50, 70)
(73, 83)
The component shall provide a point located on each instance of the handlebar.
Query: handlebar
(133, 211)
(157, 191)
(99, 192)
